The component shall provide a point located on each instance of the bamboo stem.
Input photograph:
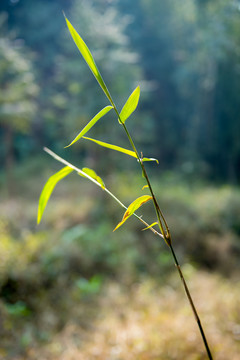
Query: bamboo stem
(191, 304)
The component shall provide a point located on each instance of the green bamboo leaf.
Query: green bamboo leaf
(150, 159)
(84, 50)
(90, 124)
(150, 226)
(93, 175)
(113, 147)
(48, 189)
(132, 208)
(118, 148)
(130, 105)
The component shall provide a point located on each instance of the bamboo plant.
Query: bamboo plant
(131, 104)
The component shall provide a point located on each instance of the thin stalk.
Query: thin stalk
(166, 236)
(191, 303)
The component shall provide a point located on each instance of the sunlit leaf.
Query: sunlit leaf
(113, 147)
(145, 187)
(84, 50)
(117, 148)
(48, 189)
(93, 175)
(91, 123)
(130, 105)
(133, 207)
(150, 159)
(150, 226)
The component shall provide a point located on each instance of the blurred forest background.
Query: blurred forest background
(70, 288)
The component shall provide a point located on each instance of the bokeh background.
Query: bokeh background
(70, 288)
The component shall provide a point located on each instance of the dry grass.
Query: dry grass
(149, 322)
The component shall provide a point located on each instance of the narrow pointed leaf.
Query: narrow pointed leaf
(150, 226)
(130, 105)
(90, 124)
(133, 207)
(84, 50)
(145, 187)
(93, 175)
(150, 159)
(117, 148)
(48, 189)
(113, 147)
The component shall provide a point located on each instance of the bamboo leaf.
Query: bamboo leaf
(117, 148)
(48, 189)
(150, 159)
(132, 208)
(150, 226)
(113, 147)
(90, 124)
(130, 105)
(84, 50)
(93, 175)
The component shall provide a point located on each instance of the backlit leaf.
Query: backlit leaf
(150, 226)
(84, 50)
(150, 159)
(130, 105)
(117, 148)
(93, 175)
(133, 207)
(48, 189)
(91, 123)
(113, 147)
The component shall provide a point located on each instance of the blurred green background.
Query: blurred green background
(71, 288)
